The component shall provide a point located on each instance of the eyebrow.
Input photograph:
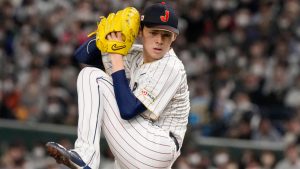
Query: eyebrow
(162, 31)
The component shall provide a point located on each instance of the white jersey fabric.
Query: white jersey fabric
(143, 141)
(161, 86)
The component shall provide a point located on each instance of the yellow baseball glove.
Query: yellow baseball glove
(126, 21)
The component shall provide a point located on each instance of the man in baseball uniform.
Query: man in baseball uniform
(140, 99)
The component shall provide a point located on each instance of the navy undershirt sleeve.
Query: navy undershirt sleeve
(128, 104)
(88, 53)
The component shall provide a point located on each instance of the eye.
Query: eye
(153, 33)
(167, 35)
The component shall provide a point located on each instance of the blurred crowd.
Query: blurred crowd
(18, 156)
(241, 56)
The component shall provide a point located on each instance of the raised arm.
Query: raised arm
(89, 54)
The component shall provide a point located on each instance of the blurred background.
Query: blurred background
(242, 59)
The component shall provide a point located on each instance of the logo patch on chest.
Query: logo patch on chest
(148, 95)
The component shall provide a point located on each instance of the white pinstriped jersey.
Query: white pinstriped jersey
(161, 86)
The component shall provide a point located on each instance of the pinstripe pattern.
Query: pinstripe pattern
(139, 142)
(124, 134)
(89, 105)
(136, 143)
(165, 79)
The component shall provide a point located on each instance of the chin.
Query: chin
(157, 56)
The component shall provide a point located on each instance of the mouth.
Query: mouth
(157, 49)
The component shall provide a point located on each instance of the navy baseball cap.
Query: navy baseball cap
(160, 16)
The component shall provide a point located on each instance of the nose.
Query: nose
(159, 39)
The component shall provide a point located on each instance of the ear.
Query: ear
(140, 33)
(174, 37)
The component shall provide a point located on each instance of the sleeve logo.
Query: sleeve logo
(148, 95)
(165, 18)
(115, 47)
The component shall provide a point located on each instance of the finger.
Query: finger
(113, 35)
(119, 36)
(109, 37)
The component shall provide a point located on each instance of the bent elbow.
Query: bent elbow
(127, 115)
(80, 56)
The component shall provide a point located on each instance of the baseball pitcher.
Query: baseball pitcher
(136, 94)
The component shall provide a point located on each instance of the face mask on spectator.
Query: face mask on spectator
(221, 159)
(194, 159)
(242, 19)
(39, 152)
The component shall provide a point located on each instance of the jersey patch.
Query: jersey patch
(148, 95)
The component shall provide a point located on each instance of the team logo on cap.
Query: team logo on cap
(165, 18)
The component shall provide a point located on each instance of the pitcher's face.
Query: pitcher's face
(156, 43)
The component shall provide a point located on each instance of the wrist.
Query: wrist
(117, 62)
(116, 55)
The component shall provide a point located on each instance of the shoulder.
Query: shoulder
(172, 61)
(136, 48)
(135, 52)
(170, 65)
(282, 164)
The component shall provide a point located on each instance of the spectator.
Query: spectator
(14, 156)
(267, 159)
(266, 132)
(291, 158)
